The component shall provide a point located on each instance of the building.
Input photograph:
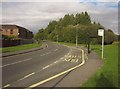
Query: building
(16, 31)
(20, 35)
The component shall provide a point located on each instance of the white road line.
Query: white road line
(62, 58)
(45, 54)
(16, 62)
(86, 56)
(69, 56)
(27, 76)
(48, 53)
(68, 59)
(73, 60)
(42, 55)
(57, 75)
(46, 67)
(56, 62)
(76, 60)
(55, 49)
(73, 56)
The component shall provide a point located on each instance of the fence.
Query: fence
(8, 43)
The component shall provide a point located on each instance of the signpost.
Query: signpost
(101, 33)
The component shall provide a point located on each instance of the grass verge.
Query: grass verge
(20, 47)
(107, 76)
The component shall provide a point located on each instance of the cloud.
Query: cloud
(36, 15)
(60, 1)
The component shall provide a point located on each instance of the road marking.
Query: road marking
(75, 56)
(76, 60)
(57, 75)
(86, 56)
(47, 53)
(62, 58)
(42, 55)
(68, 59)
(27, 76)
(55, 49)
(56, 62)
(6, 86)
(73, 60)
(15, 62)
(46, 67)
(70, 56)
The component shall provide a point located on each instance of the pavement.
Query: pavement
(39, 68)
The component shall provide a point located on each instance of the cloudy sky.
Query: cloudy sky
(36, 15)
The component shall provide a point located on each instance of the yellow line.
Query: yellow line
(57, 75)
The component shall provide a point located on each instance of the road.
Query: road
(25, 70)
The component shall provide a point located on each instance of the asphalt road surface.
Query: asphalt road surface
(24, 70)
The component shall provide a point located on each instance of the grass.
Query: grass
(20, 47)
(107, 76)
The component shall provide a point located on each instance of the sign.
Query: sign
(100, 32)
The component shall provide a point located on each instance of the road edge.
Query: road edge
(25, 51)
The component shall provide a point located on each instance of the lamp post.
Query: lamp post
(57, 37)
(77, 35)
(56, 34)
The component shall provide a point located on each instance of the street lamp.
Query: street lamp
(56, 34)
(57, 37)
(77, 35)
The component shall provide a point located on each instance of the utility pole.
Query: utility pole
(56, 34)
(76, 37)
(57, 37)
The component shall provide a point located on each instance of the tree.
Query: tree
(65, 29)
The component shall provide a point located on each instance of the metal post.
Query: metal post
(101, 33)
(56, 34)
(76, 37)
(103, 46)
(57, 37)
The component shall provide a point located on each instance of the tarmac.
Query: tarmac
(79, 76)
(75, 78)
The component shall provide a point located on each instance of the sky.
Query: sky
(36, 15)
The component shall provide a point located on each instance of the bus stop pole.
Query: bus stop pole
(103, 46)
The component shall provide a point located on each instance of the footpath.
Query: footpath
(78, 76)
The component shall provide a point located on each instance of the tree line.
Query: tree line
(66, 28)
